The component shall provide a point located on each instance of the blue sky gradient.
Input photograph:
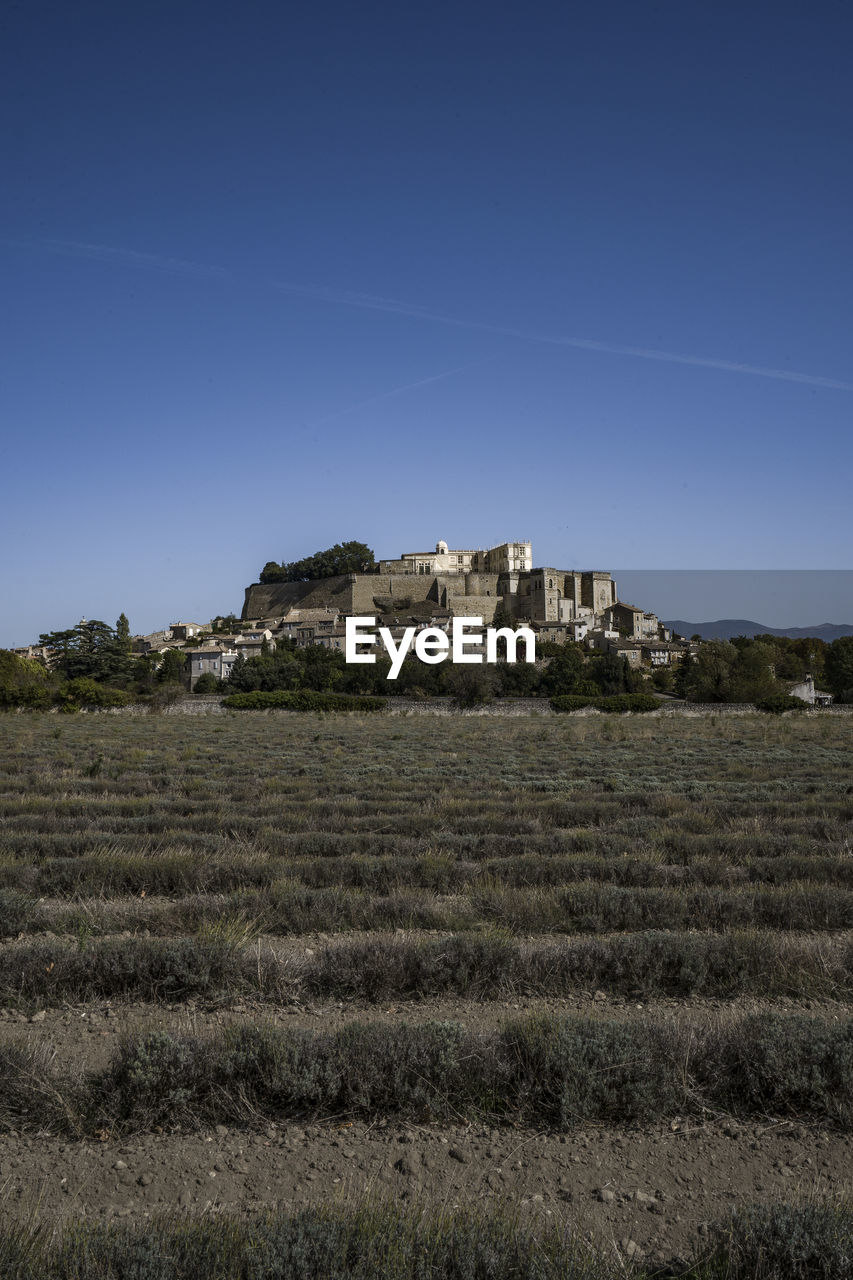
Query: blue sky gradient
(276, 276)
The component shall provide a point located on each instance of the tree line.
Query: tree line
(568, 671)
(343, 557)
(751, 669)
(92, 665)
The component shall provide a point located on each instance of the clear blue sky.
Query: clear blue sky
(278, 275)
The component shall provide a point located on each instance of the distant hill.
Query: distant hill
(725, 628)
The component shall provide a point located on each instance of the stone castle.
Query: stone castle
(465, 582)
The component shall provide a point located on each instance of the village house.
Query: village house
(35, 652)
(301, 625)
(631, 622)
(334, 639)
(600, 639)
(216, 659)
(251, 643)
(187, 630)
(630, 650)
(562, 632)
(663, 653)
(805, 690)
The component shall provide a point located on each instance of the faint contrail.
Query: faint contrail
(131, 258)
(389, 395)
(369, 302)
(366, 301)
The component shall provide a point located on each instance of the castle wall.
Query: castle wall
(545, 594)
(598, 591)
(390, 589)
(481, 584)
(274, 599)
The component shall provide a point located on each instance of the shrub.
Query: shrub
(335, 1243)
(770, 1242)
(565, 1071)
(616, 702)
(782, 1242)
(30, 1093)
(470, 686)
(630, 702)
(24, 682)
(141, 968)
(777, 703)
(15, 912)
(206, 683)
(557, 1071)
(780, 1065)
(85, 692)
(165, 695)
(301, 700)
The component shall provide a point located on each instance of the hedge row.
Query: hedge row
(301, 700)
(50, 972)
(613, 702)
(545, 1070)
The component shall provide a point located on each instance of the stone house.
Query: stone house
(187, 630)
(215, 659)
(251, 643)
(805, 690)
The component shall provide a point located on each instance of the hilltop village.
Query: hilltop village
(292, 634)
(429, 589)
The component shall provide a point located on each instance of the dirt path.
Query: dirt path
(655, 1187)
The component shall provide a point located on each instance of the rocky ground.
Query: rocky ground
(263, 821)
(650, 1192)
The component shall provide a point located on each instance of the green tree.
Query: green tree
(415, 678)
(752, 675)
(566, 671)
(371, 678)
(272, 572)
(838, 668)
(812, 653)
(503, 618)
(614, 675)
(206, 683)
(322, 668)
(121, 666)
(122, 634)
(63, 650)
(172, 669)
(710, 675)
(91, 650)
(284, 668)
(470, 686)
(662, 679)
(683, 681)
(24, 682)
(228, 623)
(343, 557)
(518, 679)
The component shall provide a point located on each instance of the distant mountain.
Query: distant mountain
(725, 628)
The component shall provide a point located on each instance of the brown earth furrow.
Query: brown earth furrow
(655, 1186)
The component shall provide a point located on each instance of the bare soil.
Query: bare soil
(658, 1187)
